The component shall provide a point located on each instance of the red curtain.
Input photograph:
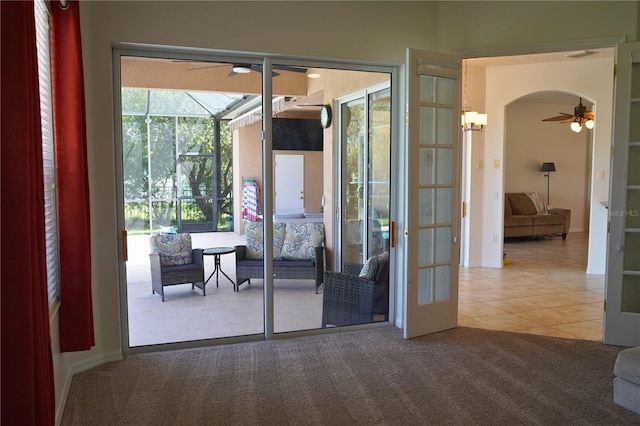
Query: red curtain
(28, 393)
(76, 314)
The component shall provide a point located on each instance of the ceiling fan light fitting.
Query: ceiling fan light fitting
(576, 126)
(241, 69)
(589, 124)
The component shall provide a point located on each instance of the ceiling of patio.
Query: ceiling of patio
(225, 94)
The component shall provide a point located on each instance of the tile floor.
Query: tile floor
(544, 290)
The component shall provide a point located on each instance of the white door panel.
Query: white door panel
(289, 184)
(433, 158)
(622, 287)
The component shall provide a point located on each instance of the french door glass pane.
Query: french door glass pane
(444, 164)
(426, 165)
(445, 123)
(428, 89)
(425, 205)
(633, 208)
(443, 201)
(631, 293)
(443, 237)
(443, 282)
(428, 118)
(425, 286)
(425, 246)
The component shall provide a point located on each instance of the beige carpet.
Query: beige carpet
(464, 376)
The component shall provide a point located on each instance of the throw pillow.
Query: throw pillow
(372, 265)
(174, 249)
(538, 201)
(369, 269)
(301, 240)
(254, 234)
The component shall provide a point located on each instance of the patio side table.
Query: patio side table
(216, 252)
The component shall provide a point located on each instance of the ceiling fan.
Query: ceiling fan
(579, 118)
(247, 68)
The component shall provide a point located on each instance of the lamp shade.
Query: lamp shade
(548, 167)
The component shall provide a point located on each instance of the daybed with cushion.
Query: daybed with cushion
(298, 252)
(358, 293)
(525, 215)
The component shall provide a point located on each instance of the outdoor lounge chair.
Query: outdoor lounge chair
(173, 261)
(355, 295)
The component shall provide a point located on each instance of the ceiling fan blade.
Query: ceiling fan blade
(564, 116)
(288, 68)
(201, 68)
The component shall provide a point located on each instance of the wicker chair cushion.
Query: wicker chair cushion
(301, 240)
(174, 249)
(372, 265)
(255, 236)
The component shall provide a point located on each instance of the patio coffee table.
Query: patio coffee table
(216, 252)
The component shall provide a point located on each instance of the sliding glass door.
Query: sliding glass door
(203, 153)
(365, 179)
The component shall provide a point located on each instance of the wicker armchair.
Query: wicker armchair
(173, 261)
(349, 299)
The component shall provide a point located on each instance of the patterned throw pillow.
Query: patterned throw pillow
(372, 265)
(174, 249)
(301, 240)
(254, 234)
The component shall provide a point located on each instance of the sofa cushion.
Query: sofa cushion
(521, 204)
(301, 240)
(254, 234)
(507, 206)
(547, 219)
(510, 221)
(173, 249)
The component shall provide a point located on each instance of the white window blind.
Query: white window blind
(48, 152)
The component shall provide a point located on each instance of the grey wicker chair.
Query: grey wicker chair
(349, 299)
(175, 248)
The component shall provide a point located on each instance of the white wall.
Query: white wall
(368, 31)
(508, 83)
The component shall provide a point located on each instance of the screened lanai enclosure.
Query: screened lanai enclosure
(177, 161)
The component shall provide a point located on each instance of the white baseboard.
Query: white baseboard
(79, 367)
(89, 363)
(473, 265)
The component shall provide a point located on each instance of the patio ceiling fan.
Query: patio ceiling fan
(247, 68)
(579, 118)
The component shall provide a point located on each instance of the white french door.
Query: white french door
(432, 179)
(622, 288)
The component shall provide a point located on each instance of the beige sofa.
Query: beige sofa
(521, 218)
